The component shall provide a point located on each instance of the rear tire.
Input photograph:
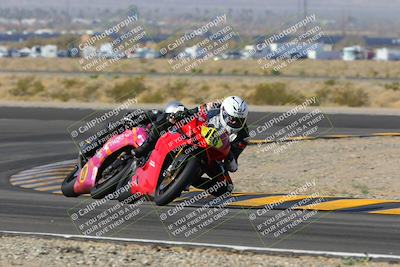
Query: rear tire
(67, 187)
(179, 184)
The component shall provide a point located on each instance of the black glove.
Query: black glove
(176, 117)
(134, 120)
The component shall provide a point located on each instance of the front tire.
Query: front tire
(100, 190)
(124, 188)
(67, 187)
(164, 197)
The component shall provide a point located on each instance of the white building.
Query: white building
(25, 52)
(387, 54)
(44, 31)
(36, 51)
(324, 55)
(353, 53)
(3, 51)
(106, 51)
(248, 51)
(151, 53)
(89, 52)
(49, 51)
(289, 50)
(252, 52)
(323, 52)
(143, 52)
(193, 52)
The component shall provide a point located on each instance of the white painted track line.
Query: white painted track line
(222, 246)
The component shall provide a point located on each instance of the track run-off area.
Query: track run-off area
(37, 153)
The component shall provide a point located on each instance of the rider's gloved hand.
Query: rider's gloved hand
(128, 118)
(231, 163)
(176, 117)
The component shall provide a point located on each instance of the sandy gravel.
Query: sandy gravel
(356, 167)
(32, 252)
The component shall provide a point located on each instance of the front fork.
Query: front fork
(81, 160)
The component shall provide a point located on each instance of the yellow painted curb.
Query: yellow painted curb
(387, 212)
(262, 201)
(344, 204)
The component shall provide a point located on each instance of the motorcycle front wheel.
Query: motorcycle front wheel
(67, 187)
(171, 188)
(107, 181)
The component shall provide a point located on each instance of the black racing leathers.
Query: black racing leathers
(131, 119)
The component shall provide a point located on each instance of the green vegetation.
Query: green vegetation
(37, 87)
(350, 261)
(27, 87)
(127, 88)
(392, 86)
(177, 89)
(343, 96)
(226, 86)
(69, 83)
(196, 71)
(323, 94)
(61, 95)
(330, 82)
(274, 94)
(152, 98)
(351, 97)
(275, 72)
(89, 92)
(22, 87)
(152, 70)
(329, 92)
(204, 88)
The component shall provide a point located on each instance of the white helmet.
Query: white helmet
(173, 107)
(233, 114)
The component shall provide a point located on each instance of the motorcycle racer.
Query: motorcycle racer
(130, 120)
(229, 116)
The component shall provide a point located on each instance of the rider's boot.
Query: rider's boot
(144, 149)
(231, 163)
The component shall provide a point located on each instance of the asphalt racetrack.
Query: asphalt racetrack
(36, 136)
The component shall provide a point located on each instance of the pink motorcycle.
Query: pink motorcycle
(102, 172)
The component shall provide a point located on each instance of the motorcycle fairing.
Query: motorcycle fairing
(87, 176)
(145, 180)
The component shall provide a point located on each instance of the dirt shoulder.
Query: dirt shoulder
(33, 251)
(355, 167)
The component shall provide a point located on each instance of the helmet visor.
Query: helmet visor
(232, 121)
